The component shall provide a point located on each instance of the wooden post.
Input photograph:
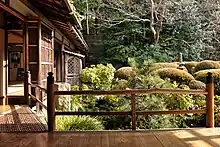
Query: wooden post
(29, 88)
(26, 50)
(37, 94)
(133, 111)
(39, 54)
(210, 101)
(50, 103)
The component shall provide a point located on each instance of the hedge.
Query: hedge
(125, 73)
(195, 84)
(190, 66)
(175, 74)
(167, 65)
(207, 64)
(121, 84)
(201, 76)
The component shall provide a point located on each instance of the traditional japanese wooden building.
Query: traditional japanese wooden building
(39, 36)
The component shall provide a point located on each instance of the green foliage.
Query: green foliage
(179, 101)
(207, 64)
(100, 77)
(121, 84)
(180, 76)
(201, 76)
(82, 102)
(217, 110)
(75, 123)
(195, 84)
(126, 73)
(156, 122)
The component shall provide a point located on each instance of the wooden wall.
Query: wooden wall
(33, 45)
(47, 52)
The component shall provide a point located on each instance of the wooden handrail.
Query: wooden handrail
(38, 101)
(125, 113)
(38, 86)
(133, 91)
(209, 111)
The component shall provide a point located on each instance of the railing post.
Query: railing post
(133, 111)
(27, 87)
(50, 103)
(210, 101)
(37, 94)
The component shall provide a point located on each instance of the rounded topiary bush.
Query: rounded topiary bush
(190, 66)
(201, 76)
(207, 64)
(167, 65)
(195, 84)
(121, 84)
(125, 73)
(175, 74)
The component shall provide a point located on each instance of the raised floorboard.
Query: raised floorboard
(162, 138)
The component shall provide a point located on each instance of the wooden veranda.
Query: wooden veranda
(14, 118)
(206, 137)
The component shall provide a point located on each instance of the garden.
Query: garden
(134, 44)
(148, 75)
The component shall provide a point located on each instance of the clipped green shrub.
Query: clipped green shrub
(190, 66)
(207, 64)
(126, 73)
(195, 84)
(75, 123)
(201, 76)
(167, 65)
(121, 84)
(180, 76)
(98, 77)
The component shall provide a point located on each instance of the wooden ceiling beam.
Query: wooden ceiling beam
(12, 11)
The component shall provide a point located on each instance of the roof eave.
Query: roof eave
(73, 13)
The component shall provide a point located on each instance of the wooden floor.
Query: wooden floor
(20, 119)
(16, 89)
(176, 138)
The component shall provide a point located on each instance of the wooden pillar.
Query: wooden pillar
(5, 65)
(29, 88)
(63, 76)
(53, 35)
(26, 52)
(50, 102)
(133, 111)
(210, 101)
(39, 55)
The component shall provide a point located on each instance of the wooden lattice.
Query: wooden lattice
(73, 70)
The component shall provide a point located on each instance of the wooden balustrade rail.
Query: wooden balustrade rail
(209, 111)
(133, 91)
(38, 97)
(38, 86)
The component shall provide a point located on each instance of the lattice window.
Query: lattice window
(74, 65)
(73, 70)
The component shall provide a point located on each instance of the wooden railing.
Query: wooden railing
(209, 111)
(38, 96)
